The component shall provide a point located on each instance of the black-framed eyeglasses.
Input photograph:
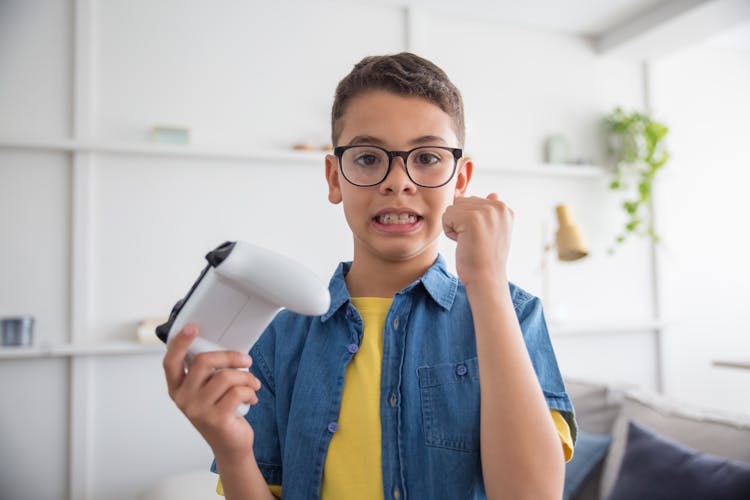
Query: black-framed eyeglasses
(426, 166)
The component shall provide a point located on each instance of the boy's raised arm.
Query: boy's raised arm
(521, 453)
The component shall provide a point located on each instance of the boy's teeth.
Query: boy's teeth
(397, 219)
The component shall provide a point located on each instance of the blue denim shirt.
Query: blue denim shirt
(429, 393)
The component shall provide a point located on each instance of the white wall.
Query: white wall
(702, 93)
(250, 75)
(519, 87)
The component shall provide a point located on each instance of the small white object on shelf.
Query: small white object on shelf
(163, 134)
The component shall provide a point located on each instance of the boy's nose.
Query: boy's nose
(397, 179)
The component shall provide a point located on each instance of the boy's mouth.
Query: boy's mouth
(393, 218)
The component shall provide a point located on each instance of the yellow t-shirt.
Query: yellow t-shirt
(353, 466)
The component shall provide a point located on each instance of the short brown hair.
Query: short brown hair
(404, 74)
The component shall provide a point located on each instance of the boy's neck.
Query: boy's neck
(381, 278)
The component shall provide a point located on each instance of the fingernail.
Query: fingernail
(190, 330)
(246, 359)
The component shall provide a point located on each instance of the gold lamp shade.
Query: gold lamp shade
(570, 242)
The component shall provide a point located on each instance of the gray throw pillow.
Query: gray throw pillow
(721, 434)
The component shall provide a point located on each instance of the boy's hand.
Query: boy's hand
(210, 391)
(482, 229)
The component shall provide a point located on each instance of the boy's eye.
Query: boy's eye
(427, 159)
(367, 160)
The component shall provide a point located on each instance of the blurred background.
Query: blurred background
(137, 135)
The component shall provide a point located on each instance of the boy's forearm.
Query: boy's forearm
(242, 479)
(521, 452)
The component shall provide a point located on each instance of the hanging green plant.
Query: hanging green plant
(637, 146)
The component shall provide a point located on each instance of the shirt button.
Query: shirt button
(395, 324)
(396, 493)
(352, 348)
(349, 313)
(333, 427)
(461, 370)
(393, 400)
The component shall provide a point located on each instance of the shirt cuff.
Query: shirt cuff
(563, 430)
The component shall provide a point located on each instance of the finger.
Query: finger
(174, 359)
(493, 197)
(224, 380)
(206, 364)
(234, 397)
(448, 226)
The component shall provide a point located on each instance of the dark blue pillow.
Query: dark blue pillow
(590, 449)
(655, 467)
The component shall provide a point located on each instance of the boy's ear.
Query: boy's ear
(333, 179)
(463, 176)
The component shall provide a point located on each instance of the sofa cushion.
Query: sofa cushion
(590, 450)
(596, 405)
(658, 468)
(726, 436)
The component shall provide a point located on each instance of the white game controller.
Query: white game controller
(238, 294)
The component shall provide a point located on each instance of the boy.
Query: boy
(380, 397)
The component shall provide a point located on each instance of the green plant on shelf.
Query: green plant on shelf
(636, 144)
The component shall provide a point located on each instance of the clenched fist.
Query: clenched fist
(482, 228)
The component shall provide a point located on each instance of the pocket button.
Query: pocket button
(461, 370)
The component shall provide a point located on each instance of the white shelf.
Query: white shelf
(180, 151)
(314, 158)
(565, 329)
(130, 348)
(82, 349)
(548, 170)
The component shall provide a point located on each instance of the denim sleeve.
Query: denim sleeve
(262, 415)
(539, 345)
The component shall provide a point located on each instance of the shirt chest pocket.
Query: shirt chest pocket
(449, 396)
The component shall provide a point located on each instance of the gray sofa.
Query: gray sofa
(677, 430)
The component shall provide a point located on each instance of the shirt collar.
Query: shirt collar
(337, 289)
(440, 284)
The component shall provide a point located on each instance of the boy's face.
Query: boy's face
(375, 214)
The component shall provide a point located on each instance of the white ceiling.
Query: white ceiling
(595, 19)
(580, 17)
